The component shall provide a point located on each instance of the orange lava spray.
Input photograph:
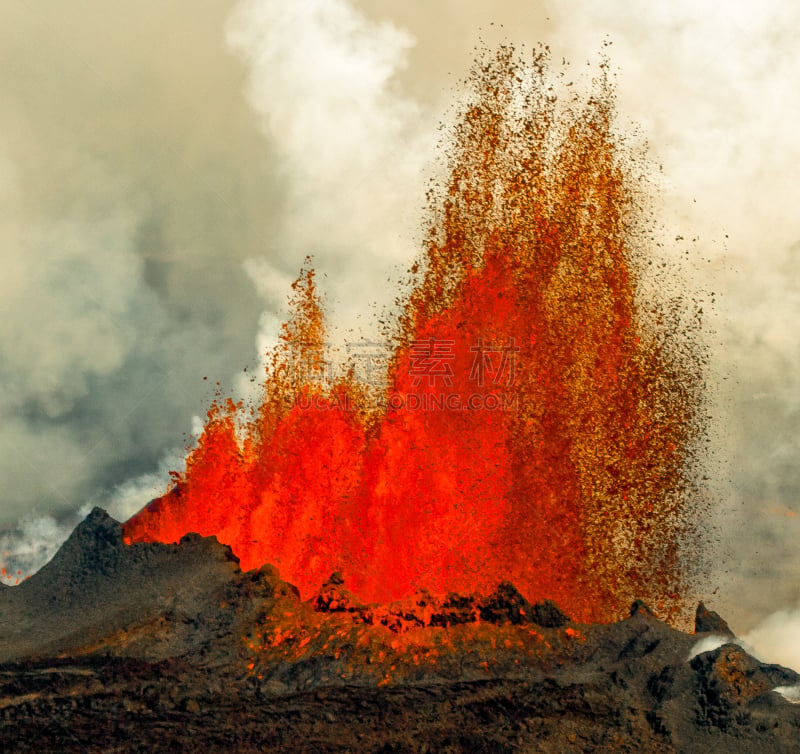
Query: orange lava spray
(535, 425)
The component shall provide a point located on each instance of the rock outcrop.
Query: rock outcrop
(154, 646)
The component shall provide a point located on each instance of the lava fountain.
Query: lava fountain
(538, 422)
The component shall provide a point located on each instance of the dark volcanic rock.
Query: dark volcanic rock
(729, 679)
(707, 621)
(335, 598)
(171, 647)
(546, 613)
(640, 608)
(146, 600)
(505, 604)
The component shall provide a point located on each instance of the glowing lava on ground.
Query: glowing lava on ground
(538, 422)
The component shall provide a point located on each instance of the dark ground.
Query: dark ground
(172, 648)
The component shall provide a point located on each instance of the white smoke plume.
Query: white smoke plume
(32, 542)
(712, 642)
(350, 148)
(129, 497)
(776, 639)
(791, 693)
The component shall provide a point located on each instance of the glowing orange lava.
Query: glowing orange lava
(535, 426)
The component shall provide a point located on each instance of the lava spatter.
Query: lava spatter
(534, 425)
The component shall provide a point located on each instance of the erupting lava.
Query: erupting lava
(537, 423)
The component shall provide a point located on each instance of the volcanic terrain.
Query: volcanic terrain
(439, 562)
(114, 647)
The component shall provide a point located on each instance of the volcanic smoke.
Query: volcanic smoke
(538, 421)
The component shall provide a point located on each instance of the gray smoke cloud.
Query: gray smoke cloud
(777, 638)
(134, 183)
(164, 169)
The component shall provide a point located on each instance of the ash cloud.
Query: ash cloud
(133, 184)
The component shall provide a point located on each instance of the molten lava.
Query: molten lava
(534, 427)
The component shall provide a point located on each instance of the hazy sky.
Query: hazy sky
(165, 167)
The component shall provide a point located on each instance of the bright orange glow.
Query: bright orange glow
(568, 471)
